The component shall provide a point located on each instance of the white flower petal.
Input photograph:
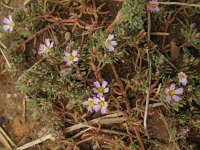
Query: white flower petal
(172, 86)
(176, 98)
(102, 98)
(67, 54)
(10, 18)
(41, 51)
(65, 58)
(157, 9)
(11, 28)
(110, 36)
(47, 42)
(51, 45)
(95, 90)
(166, 90)
(76, 59)
(69, 63)
(113, 43)
(103, 110)
(97, 108)
(99, 95)
(6, 20)
(168, 98)
(179, 91)
(6, 27)
(96, 100)
(97, 84)
(184, 81)
(89, 109)
(74, 53)
(106, 104)
(110, 48)
(85, 103)
(104, 83)
(106, 90)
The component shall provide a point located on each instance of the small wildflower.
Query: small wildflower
(100, 89)
(182, 78)
(153, 6)
(70, 58)
(9, 24)
(90, 104)
(171, 93)
(100, 104)
(46, 48)
(109, 43)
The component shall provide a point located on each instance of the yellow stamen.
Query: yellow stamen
(11, 24)
(71, 57)
(47, 49)
(108, 42)
(101, 90)
(181, 76)
(101, 103)
(91, 103)
(171, 92)
(153, 6)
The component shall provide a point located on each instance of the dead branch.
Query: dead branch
(40, 140)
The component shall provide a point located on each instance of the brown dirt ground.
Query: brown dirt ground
(20, 129)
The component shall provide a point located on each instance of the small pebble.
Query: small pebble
(8, 95)
(15, 95)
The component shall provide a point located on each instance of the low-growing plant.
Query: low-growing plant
(96, 86)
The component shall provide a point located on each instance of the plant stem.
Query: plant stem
(138, 137)
(46, 28)
(4, 54)
(121, 86)
(178, 3)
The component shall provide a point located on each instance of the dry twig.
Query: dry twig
(40, 140)
(4, 54)
(5, 139)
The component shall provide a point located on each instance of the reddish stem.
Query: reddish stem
(85, 140)
(169, 20)
(94, 3)
(121, 86)
(137, 133)
(46, 28)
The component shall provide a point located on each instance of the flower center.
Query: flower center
(91, 103)
(181, 76)
(101, 90)
(108, 42)
(153, 6)
(171, 92)
(47, 49)
(101, 103)
(11, 24)
(71, 57)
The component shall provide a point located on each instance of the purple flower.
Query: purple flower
(109, 43)
(46, 48)
(100, 89)
(153, 6)
(9, 24)
(90, 104)
(70, 58)
(182, 78)
(171, 93)
(100, 104)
